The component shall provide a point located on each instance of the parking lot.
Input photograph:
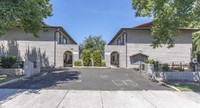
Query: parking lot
(89, 79)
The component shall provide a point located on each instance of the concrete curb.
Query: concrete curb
(167, 85)
(11, 81)
(90, 67)
(15, 80)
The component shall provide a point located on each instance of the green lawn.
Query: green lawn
(7, 78)
(185, 86)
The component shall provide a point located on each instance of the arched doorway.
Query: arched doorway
(68, 59)
(114, 59)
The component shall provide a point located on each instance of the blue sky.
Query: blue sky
(82, 18)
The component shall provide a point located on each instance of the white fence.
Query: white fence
(169, 76)
(183, 76)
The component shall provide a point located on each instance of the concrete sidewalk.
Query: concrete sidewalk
(14, 98)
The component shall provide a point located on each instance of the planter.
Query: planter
(12, 72)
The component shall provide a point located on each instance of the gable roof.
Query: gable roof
(145, 26)
(61, 29)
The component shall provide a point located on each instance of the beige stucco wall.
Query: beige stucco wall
(114, 48)
(28, 47)
(61, 49)
(139, 41)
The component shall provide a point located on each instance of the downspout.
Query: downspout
(126, 50)
(55, 48)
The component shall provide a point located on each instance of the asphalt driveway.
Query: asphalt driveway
(89, 79)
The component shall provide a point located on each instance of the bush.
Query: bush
(180, 69)
(154, 62)
(97, 58)
(165, 67)
(86, 57)
(150, 61)
(8, 62)
(78, 63)
(103, 64)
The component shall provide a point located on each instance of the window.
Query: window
(122, 40)
(64, 41)
(138, 58)
(67, 41)
(61, 39)
(119, 41)
(58, 37)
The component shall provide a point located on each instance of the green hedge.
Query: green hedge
(86, 57)
(78, 63)
(97, 58)
(165, 67)
(103, 64)
(8, 62)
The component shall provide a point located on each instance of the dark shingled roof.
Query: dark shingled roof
(144, 25)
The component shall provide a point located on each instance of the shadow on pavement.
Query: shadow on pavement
(8, 94)
(45, 80)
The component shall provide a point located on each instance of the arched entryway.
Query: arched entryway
(114, 59)
(68, 59)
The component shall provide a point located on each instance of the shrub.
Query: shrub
(150, 61)
(78, 63)
(86, 57)
(8, 62)
(165, 67)
(103, 64)
(97, 58)
(180, 69)
(156, 63)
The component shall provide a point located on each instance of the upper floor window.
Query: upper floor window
(65, 41)
(121, 40)
(58, 37)
(61, 39)
(125, 38)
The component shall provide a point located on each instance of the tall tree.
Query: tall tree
(93, 43)
(169, 16)
(26, 14)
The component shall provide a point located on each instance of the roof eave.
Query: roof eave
(123, 29)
